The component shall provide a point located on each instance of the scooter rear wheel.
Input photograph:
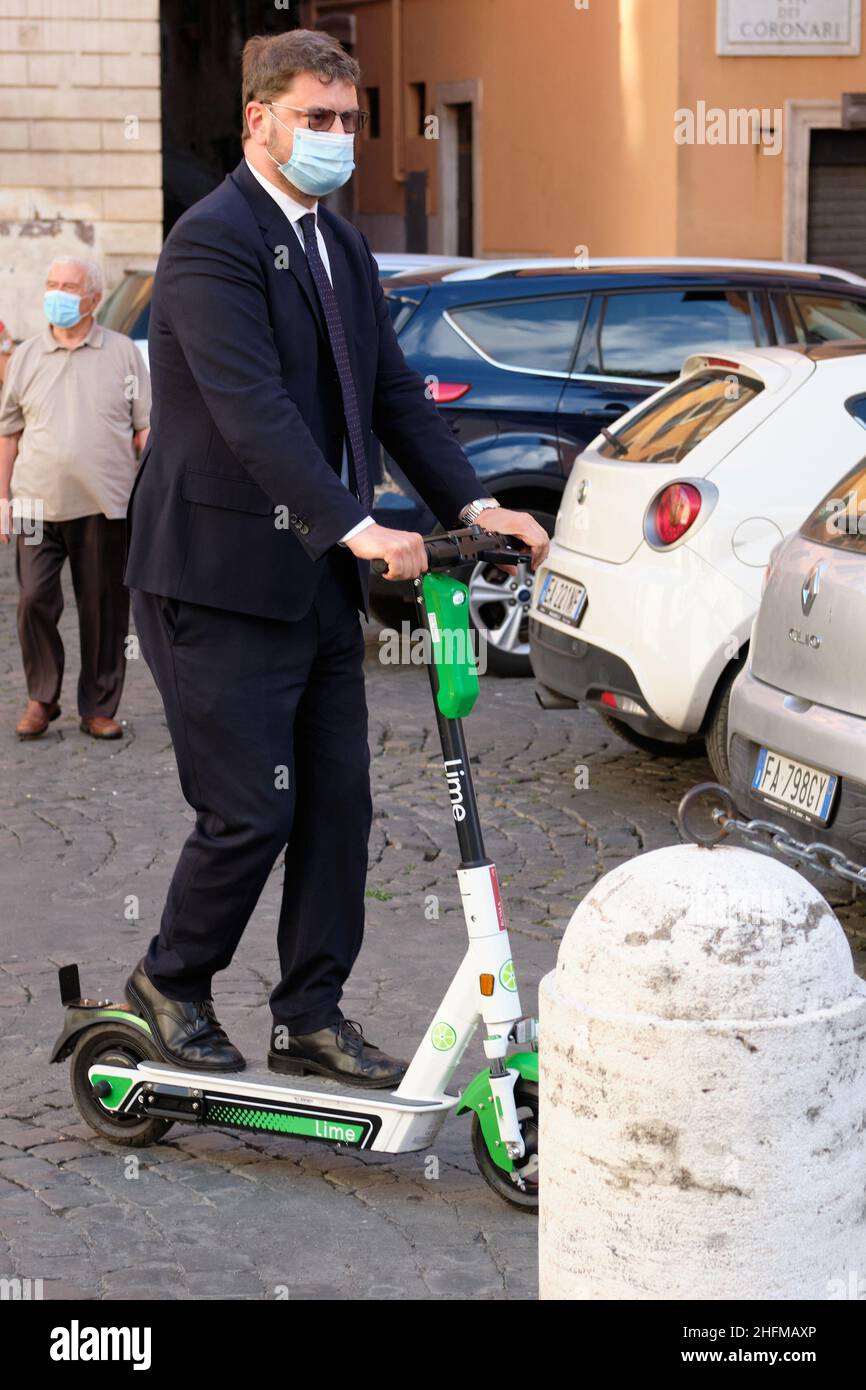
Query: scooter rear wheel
(119, 1046)
(526, 1196)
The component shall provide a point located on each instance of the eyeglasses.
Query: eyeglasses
(322, 118)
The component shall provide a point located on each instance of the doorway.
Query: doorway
(836, 232)
(458, 108)
(201, 45)
(465, 169)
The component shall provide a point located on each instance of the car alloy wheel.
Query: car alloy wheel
(499, 606)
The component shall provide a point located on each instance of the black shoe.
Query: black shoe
(187, 1034)
(339, 1052)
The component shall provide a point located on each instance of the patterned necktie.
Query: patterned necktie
(337, 337)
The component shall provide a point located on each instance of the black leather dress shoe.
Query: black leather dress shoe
(339, 1052)
(187, 1034)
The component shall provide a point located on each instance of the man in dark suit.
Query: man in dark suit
(273, 357)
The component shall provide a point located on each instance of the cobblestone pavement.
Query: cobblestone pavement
(215, 1215)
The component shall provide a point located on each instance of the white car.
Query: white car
(644, 607)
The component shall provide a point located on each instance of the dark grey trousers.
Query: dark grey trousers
(269, 725)
(95, 548)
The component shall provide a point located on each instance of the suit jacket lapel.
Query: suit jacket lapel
(280, 237)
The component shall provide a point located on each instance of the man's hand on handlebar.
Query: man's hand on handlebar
(520, 524)
(405, 555)
(404, 550)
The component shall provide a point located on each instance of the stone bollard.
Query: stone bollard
(703, 1088)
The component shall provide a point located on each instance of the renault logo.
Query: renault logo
(811, 586)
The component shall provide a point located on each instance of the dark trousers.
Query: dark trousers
(95, 548)
(269, 725)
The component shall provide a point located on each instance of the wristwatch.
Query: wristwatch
(473, 510)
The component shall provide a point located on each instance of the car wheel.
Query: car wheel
(657, 747)
(499, 607)
(717, 725)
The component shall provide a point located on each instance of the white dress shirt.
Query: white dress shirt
(294, 211)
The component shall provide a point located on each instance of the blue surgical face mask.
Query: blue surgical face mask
(62, 309)
(321, 160)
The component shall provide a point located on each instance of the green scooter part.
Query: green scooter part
(447, 603)
(114, 1089)
(476, 1097)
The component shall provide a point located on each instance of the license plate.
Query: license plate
(805, 792)
(562, 598)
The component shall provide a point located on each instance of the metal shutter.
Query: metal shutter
(837, 199)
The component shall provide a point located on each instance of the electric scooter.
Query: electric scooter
(130, 1095)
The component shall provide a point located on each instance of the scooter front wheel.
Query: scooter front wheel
(520, 1188)
(113, 1045)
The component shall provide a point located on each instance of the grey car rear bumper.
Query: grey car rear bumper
(829, 739)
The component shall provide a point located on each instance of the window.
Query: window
(762, 320)
(840, 520)
(127, 308)
(416, 108)
(786, 321)
(650, 333)
(401, 310)
(670, 428)
(856, 406)
(527, 334)
(373, 125)
(830, 319)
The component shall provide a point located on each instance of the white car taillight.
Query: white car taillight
(675, 510)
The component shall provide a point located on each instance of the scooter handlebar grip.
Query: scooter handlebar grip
(443, 552)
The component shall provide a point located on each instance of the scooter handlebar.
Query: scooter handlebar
(459, 547)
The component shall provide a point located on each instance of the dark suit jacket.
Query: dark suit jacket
(238, 497)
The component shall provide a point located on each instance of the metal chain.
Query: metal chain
(765, 835)
(825, 858)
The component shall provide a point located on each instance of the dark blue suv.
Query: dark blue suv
(530, 364)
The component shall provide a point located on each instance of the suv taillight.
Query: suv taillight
(675, 511)
(442, 392)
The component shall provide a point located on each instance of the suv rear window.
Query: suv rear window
(668, 430)
(649, 334)
(526, 334)
(840, 520)
(829, 318)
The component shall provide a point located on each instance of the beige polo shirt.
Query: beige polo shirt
(78, 408)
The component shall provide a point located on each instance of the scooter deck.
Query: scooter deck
(264, 1101)
(263, 1083)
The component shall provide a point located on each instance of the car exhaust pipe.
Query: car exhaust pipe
(551, 699)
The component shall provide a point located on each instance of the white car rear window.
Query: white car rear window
(668, 429)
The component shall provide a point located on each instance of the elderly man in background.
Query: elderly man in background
(74, 409)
